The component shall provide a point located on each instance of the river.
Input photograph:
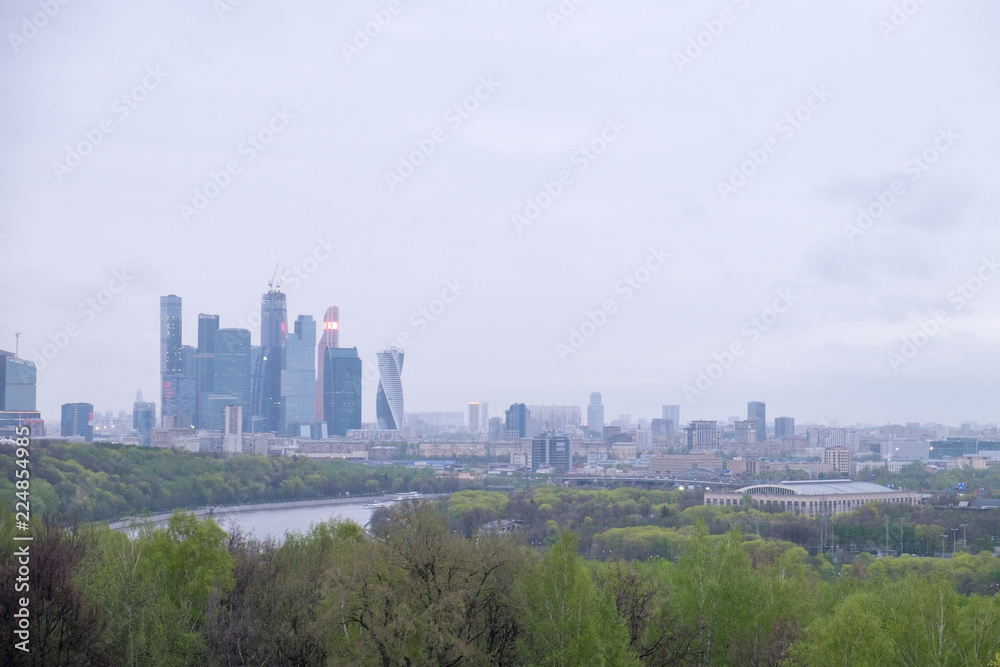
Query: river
(276, 519)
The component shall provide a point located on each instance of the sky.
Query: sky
(694, 203)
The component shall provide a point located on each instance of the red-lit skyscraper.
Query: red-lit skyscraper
(330, 338)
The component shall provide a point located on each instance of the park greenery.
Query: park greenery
(584, 576)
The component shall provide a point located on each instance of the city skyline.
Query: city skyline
(646, 201)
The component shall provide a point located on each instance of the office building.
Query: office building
(143, 418)
(298, 380)
(389, 400)
(672, 414)
(516, 422)
(839, 458)
(844, 437)
(170, 357)
(18, 378)
(204, 360)
(273, 330)
(756, 413)
(784, 427)
(562, 418)
(342, 377)
(474, 420)
(77, 421)
(329, 338)
(595, 416)
(745, 432)
(702, 434)
(550, 449)
(232, 427)
(232, 369)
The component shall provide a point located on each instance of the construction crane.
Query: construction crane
(275, 282)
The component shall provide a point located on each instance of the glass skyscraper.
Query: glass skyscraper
(17, 383)
(171, 362)
(298, 380)
(232, 368)
(672, 413)
(516, 422)
(330, 338)
(273, 330)
(552, 449)
(342, 390)
(208, 325)
(389, 401)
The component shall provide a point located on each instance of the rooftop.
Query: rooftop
(820, 487)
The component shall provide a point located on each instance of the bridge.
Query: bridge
(649, 482)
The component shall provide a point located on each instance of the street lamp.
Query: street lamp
(954, 533)
(965, 542)
(944, 542)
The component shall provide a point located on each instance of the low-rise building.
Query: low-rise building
(814, 497)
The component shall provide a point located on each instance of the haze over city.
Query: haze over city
(792, 204)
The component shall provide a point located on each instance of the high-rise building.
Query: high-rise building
(298, 380)
(551, 449)
(208, 325)
(495, 429)
(330, 338)
(562, 418)
(170, 334)
(746, 432)
(273, 331)
(757, 414)
(595, 416)
(77, 420)
(18, 378)
(143, 418)
(784, 427)
(484, 417)
(232, 369)
(672, 413)
(171, 362)
(342, 378)
(474, 420)
(389, 401)
(232, 427)
(516, 422)
(702, 434)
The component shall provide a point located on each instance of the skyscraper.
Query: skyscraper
(757, 414)
(143, 418)
(784, 426)
(474, 420)
(329, 338)
(273, 331)
(516, 422)
(232, 368)
(298, 380)
(18, 379)
(595, 416)
(389, 401)
(672, 413)
(170, 355)
(204, 359)
(552, 449)
(342, 390)
(77, 420)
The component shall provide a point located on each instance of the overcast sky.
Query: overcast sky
(824, 105)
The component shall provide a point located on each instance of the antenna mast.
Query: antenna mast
(17, 344)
